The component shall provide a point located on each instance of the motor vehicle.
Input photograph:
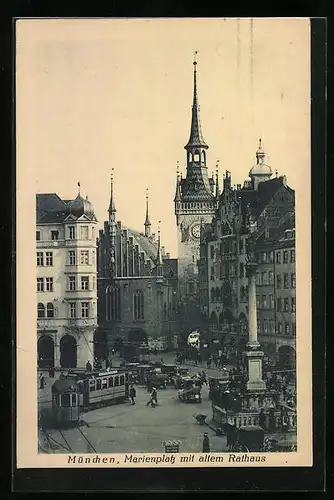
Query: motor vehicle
(142, 372)
(156, 379)
(194, 339)
(190, 394)
(249, 438)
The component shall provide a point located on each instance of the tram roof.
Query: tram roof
(63, 385)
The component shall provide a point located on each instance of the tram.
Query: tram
(82, 391)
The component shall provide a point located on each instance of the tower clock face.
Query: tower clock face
(196, 231)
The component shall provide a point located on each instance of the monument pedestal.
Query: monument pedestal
(254, 364)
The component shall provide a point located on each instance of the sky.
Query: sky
(97, 95)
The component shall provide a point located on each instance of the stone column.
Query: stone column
(252, 312)
(254, 354)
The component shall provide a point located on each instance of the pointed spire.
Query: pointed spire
(196, 136)
(217, 180)
(79, 188)
(112, 209)
(147, 222)
(159, 258)
(260, 154)
(178, 183)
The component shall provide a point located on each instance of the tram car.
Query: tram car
(79, 391)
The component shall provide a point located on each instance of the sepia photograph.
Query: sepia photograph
(163, 242)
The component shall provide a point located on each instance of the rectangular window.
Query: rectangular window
(40, 259)
(49, 284)
(271, 302)
(287, 329)
(242, 271)
(286, 304)
(286, 280)
(271, 257)
(54, 235)
(271, 278)
(71, 230)
(212, 252)
(271, 326)
(285, 257)
(293, 329)
(84, 309)
(258, 278)
(49, 259)
(292, 256)
(212, 272)
(293, 280)
(264, 257)
(280, 328)
(38, 235)
(265, 326)
(279, 304)
(84, 232)
(257, 301)
(264, 278)
(84, 282)
(104, 383)
(84, 257)
(71, 258)
(278, 257)
(293, 304)
(241, 246)
(279, 281)
(73, 309)
(40, 284)
(264, 302)
(93, 283)
(71, 283)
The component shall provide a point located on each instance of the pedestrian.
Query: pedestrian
(206, 443)
(42, 382)
(153, 401)
(132, 395)
(113, 352)
(88, 366)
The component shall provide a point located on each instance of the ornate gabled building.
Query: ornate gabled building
(268, 205)
(66, 281)
(195, 203)
(137, 285)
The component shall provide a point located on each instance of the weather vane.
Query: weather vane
(195, 56)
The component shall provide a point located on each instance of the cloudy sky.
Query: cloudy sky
(97, 95)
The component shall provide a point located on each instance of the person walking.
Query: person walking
(153, 401)
(42, 382)
(206, 443)
(132, 395)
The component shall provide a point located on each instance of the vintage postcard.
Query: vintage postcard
(163, 243)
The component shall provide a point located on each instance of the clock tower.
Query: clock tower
(196, 200)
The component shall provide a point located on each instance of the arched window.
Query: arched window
(196, 155)
(138, 305)
(213, 318)
(213, 295)
(40, 310)
(218, 294)
(50, 311)
(113, 303)
(242, 294)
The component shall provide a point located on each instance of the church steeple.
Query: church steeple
(196, 137)
(159, 256)
(147, 222)
(112, 208)
(217, 182)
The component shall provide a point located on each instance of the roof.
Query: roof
(146, 244)
(62, 385)
(50, 208)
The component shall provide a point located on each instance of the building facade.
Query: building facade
(137, 285)
(268, 204)
(66, 281)
(195, 203)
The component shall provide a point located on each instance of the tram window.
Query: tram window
(104, 383)
(65, 399)
(80, 386)
(111, 382)
(98, 384)
(92, 385)
(116, 381)
(121, 380)
(74, 399)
